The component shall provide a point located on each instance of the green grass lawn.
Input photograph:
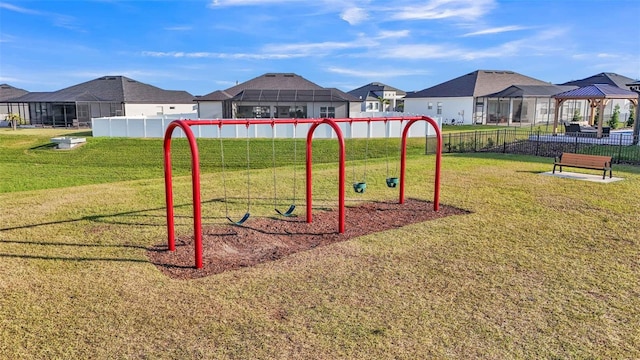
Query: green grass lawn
(543, 267)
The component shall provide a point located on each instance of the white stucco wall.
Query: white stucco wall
(458, 108)
(155, 109)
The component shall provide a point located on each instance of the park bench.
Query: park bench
(583, 161)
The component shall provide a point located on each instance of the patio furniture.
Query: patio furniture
(573, 129)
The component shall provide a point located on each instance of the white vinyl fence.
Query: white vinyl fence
(155, 126)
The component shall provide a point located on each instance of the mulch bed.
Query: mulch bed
(228, 247)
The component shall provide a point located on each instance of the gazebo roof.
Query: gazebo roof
(522, 91)
(597, 91)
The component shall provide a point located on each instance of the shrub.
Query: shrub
(14, 119)
(631, 118)
(576, 115)
(614, 121)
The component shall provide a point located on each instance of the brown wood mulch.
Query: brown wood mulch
(258, 240)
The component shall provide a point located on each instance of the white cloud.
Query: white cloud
(354, 15)
(19, 9)
(378, 73)
(251, 2)
(308, 49)
(495, 30)
(393, 34)
(421, 51)
(178, 28)
(212, 55)
(60, 20)
(442, 9)
(407, 10)
(6, 79)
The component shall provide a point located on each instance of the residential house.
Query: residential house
(276, 95)
(378, 97)
(463, 100)
(8, 92)
(101, 97)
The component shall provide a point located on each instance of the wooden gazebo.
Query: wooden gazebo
(598, 96)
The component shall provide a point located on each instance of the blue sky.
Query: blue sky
(203, 46)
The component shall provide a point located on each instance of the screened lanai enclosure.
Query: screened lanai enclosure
(528, 105)
(67, 114)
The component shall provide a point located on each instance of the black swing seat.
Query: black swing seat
(289, 211)
(392, 182)
(359, 187)
(241, 221)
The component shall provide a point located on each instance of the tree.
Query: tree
(614, 121)
(383, 102)
(631, 118)
(14, 120)
(576, 115)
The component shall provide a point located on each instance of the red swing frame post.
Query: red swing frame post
(403, 160)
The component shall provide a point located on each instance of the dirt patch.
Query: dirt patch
(227, 247)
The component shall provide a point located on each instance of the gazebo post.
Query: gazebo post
(635, 86)
(601, 105)
(592, 113)
(555, 117)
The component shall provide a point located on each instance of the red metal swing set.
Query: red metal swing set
(186, 125)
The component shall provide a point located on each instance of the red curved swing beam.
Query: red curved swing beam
(185, 125)
(403, 160)
(341, 175)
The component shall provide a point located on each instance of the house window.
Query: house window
(369, 106)
(327, 112)
(299, 112)
(439, 109)
(376, 106)
(430, 106)
(172, 107)
(247, 112)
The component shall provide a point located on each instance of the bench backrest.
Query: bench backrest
(573, 128)
(585, 160)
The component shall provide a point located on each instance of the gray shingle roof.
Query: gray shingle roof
(373, 91)
(9, 92)
(519, 91)
(476, 84)
(603, 78)
(111, 89)
(315, 95)
(597, 91)
(268, 81)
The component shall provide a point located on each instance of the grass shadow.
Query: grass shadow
(103, 218)
(48, 146)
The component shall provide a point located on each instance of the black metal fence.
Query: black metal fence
(621, 146)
